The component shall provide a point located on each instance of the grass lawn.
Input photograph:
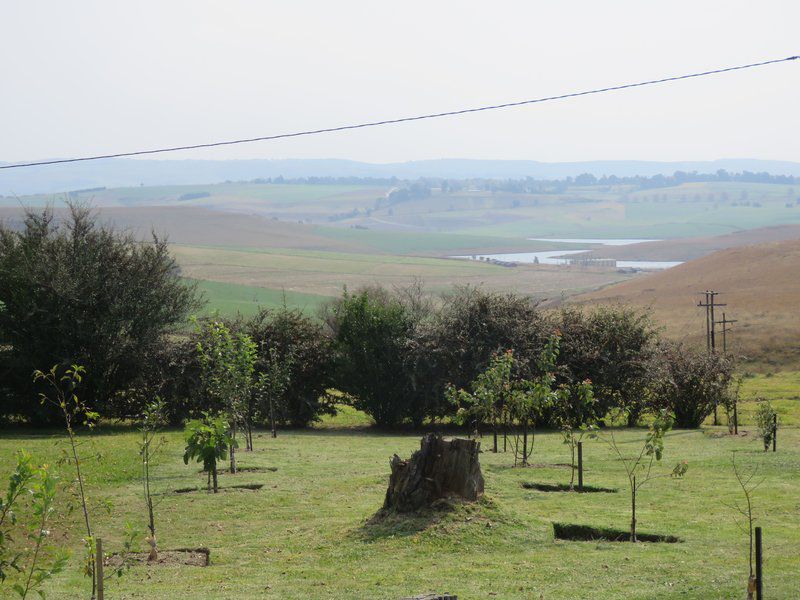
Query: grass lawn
(305, 534)
(782, 389)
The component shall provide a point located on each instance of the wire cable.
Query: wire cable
(437, 115)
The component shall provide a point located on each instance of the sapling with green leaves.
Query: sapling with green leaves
(532, 398)
(208, 441)
(38, 562)
(746, 482)
(18, 487)
(270, 386)
(574, 414)
(766, 422)
(490, 396)
(150, 445)
(43, 494)
(639, 466)
(76, 413)
(227, 362)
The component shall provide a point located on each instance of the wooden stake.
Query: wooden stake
(775, 432)
(98, 556)
(759, 572)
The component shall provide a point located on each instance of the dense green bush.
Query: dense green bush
(77, 291)
(302, 342)
(612, 347)
(474, 324)
(690, 383)
(372, 332)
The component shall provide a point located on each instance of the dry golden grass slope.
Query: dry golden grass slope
(760, 285)
(694, 247)
(199, 226)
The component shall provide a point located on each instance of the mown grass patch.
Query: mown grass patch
(306, 533)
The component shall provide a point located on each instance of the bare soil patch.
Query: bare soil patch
(227, 488)
(192, 557)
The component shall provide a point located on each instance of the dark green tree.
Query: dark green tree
(372, 333)
(613, 347)
(76, 291)
(289, 336)
(689, 383)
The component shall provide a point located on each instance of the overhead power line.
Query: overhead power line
(436, 115)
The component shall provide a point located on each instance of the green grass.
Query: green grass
(413, 242)
(305, 535)
(782, 389)
(232, 298)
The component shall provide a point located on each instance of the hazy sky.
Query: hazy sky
(83, 77)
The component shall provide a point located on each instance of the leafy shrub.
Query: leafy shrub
(372, 333)
(690, 384)
(474, 324)
(208, 441)
(613, 348)
(81, 292)
(766, 419)
(295, 339)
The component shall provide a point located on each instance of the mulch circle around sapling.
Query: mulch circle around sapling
(563, 487)
(243, 470)
(191, 557)
(586, 533)
(228, 488)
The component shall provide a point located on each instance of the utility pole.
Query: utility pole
(711, 330)
(725, 329)
(706, 304)
(710, 304)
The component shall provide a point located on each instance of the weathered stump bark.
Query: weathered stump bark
(439, 469)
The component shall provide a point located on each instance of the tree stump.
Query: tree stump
(439, 469)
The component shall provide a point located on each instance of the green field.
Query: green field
(232, 298)
(306, 533)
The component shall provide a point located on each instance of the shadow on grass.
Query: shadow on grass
(563, 487)
(586, 533)
(531, 466)
(390, 524)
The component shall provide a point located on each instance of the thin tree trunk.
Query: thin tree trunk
(151, 525)
(525, 442)
(214, 476)
(494, 434)
(633, 510)
(233, 449)
(272, 418)
(572, 471)
(83, 502)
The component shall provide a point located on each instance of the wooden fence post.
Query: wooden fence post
(775, 432)
(98, 557)
(759, 571)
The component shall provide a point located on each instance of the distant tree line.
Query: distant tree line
(420, 188)
(81, 293)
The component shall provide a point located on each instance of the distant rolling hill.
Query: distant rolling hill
(760, 285)
(129, 172)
